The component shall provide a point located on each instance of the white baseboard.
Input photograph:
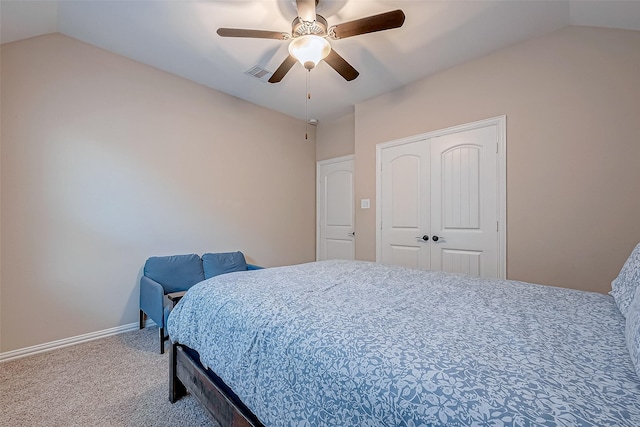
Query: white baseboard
(53, 345)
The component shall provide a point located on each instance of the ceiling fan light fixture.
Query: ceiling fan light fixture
(308, 50)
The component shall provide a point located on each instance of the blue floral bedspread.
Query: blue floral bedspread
(339, 343)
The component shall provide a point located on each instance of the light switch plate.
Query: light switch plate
(365, 204)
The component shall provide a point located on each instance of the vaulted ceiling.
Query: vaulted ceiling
(180, 37)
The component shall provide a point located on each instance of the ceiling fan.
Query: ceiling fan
(309, 33)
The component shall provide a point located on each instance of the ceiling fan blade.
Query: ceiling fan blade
(343, 68)
(371, 24)
(306, 10)
(283, 69)
(254, 34)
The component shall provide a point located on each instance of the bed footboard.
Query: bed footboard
(186, 374)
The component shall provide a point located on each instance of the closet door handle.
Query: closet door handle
(425, 237)
(435, 238)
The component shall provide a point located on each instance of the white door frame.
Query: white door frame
(501, 149)
(319, 164)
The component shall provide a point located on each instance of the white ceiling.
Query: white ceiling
(180, 37)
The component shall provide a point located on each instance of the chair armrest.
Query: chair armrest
(254, 267)
(152, 300)
(174, 297)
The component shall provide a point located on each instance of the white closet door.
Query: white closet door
(464, 204)
(405, 205)
(440, 201)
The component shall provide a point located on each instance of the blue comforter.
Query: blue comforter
(340, 343)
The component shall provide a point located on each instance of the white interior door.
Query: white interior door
(464, 202)
(405, 208)
(441, 200)
(335, 209)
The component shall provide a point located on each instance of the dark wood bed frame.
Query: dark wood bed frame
(187, 375)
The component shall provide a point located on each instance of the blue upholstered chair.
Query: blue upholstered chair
(177, 273)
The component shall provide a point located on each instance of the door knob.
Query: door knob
(435, 238)
(425, 237)
(352, 234)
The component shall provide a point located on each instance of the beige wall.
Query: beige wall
(572, 101)
(106, 162)
(336, 138)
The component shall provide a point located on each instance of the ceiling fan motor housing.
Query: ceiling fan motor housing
(302, 28)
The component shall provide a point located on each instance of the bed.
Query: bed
(343, 343)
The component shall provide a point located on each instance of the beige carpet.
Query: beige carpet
(115, 381)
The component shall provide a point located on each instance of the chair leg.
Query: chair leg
(142, 319)
(161, 340)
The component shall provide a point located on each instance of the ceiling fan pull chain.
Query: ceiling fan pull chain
(306, 105)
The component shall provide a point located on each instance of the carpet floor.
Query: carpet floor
(120, 380)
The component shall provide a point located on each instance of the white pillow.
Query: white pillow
(632, 331)
(623, 287)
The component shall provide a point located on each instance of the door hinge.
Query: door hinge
(497, 146)
(497, 226)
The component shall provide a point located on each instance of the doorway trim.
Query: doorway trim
(501, 149)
